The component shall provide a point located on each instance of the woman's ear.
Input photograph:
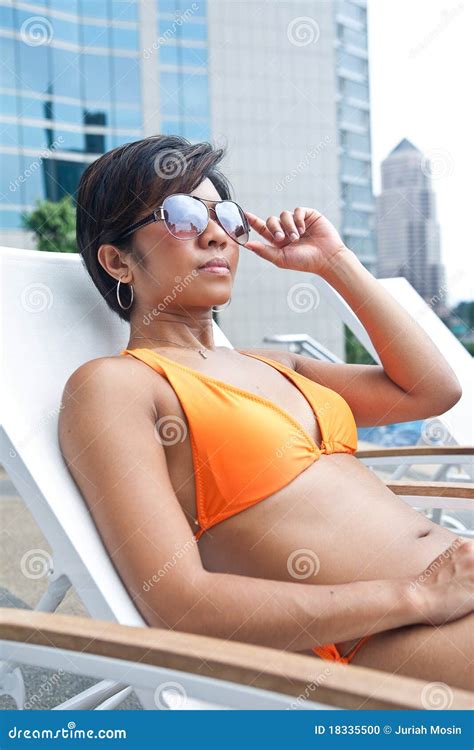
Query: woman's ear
(114, 262)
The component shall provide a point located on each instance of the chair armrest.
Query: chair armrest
(339, 685)
(453, 496)
(418, 450)
(464, 490)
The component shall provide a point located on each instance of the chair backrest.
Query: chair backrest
(54, 320)
(455, 425)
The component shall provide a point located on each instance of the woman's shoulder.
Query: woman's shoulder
(107, 390)
(111, 370)
(108, 381)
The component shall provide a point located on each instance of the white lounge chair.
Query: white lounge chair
(54, 320)
(456, 426)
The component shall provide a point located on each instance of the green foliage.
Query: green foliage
(356, 354)
(54, 224)
(460, 321)
(465, 311)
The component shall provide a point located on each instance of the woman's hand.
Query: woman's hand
(307, 240)
(444, 591)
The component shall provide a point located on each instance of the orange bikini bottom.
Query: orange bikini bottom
(330, 652)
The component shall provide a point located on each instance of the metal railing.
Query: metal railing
(301, 343)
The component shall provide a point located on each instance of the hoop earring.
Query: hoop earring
(118, 296)
(219, 309)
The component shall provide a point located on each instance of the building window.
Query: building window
(355, 168)
(97, 80)
(170, 93)
(357, 194)
(355, 141)
(124, 38)
(350, 36)
(195, 90)
(94, 9)
(64, 31)
(10, 170)
(66, 77)
(353, 89)
(352, 63)
(65, 6)
(354, 12)
(196, 131)
(124, 10)
(95, 36)
(353, 115)
(126, 80)
(11, 219)
(34, 67)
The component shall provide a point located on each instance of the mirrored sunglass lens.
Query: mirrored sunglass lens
(233, 221)
(184, 216)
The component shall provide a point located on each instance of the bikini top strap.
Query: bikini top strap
(146, 356)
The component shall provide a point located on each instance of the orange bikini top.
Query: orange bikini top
(244, 446)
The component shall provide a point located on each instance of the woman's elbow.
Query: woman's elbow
(453, 394)
(436, 401)
(447, 397)
(180, 605)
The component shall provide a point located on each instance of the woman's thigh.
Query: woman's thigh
(431, 653)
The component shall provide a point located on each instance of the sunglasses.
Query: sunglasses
(187, 216)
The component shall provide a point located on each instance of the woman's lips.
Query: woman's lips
(220, 270)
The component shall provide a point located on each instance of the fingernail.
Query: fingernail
(279, 235)
(294, 236)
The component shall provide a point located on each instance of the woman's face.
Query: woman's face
(169, 271)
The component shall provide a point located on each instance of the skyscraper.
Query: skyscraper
(408, 233)
(283, 84)
(353, 118)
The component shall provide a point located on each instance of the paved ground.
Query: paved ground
(19, 534)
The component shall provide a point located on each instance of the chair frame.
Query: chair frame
(225, 674)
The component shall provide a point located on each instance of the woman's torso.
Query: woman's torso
(335, 522)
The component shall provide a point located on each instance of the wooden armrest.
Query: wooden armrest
(418, 450)
(343, 686)
(462, 490)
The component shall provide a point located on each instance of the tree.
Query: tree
(465, 311)
(54, 224)
(356, 354)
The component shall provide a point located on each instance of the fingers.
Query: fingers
(267, 252)
(289, 226)
(259, 226)
(299, 214)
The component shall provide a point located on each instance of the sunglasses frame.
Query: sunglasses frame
(158, 215)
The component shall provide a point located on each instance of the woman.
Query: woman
(222, 481)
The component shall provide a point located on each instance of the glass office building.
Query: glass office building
(284, 85)
(73, 77)
(183, 69)
(353, 115)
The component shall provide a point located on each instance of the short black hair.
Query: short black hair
(130, 181)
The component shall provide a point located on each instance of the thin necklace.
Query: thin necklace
(151, 338)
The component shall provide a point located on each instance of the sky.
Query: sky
(421, 62)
